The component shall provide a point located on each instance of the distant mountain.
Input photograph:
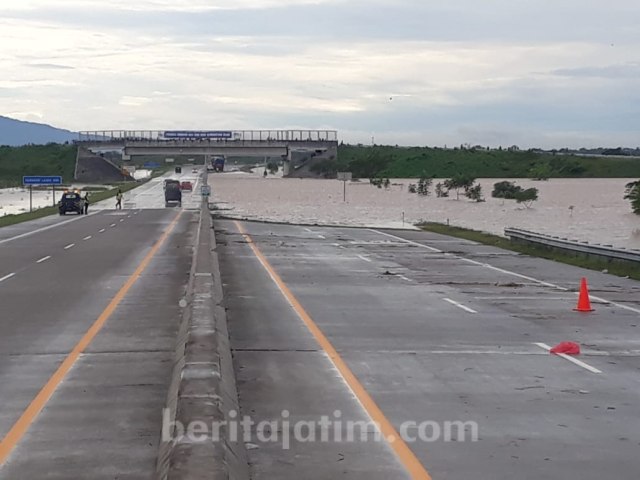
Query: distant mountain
(16, 132)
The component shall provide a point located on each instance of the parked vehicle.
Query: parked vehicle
(71, 202)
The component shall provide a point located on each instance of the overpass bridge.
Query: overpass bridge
(320, 144)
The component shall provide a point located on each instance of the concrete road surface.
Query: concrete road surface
(433, 330)
(101, 417)
(149, 195)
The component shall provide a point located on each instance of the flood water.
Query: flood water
(599, 214)
(16, 200)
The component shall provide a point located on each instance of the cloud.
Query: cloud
(628, 70)
(128, 101)
(196, 6)
(50, 66)
(409, 70)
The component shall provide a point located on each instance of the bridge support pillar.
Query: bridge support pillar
(286, 164)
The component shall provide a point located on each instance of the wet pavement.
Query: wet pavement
(436, 330)
(102, 419)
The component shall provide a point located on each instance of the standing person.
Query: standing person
(86, 203)
(119, 200)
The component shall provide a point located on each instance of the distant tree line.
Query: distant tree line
(476, 162)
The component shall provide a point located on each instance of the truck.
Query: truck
(172, 193)
(218, 164)
(168, 181)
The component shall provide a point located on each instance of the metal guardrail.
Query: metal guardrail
(607, 251)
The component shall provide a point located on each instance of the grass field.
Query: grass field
(403, 162)
(50, 159)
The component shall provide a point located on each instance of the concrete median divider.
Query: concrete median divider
(202, 395)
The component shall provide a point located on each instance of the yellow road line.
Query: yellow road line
(37, 404)
(411, 463)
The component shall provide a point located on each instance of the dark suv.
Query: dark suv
(71, 202)
(172, 194)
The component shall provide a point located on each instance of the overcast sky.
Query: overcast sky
(547, 73)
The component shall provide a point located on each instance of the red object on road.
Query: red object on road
(186, 186)
(584, 304)
(568, 348)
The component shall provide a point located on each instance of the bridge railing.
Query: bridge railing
(121, 136)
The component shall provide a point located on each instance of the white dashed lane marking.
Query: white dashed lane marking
(507, 272)
(459, 305)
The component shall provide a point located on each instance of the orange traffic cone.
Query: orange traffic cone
(584, 304)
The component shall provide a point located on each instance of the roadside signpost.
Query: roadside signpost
(345, 177)
(205, 193)
(39, 180)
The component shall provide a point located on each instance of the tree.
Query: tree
(458, 182)
(272, 167)
(441, 191)
(372, 164)
(468, 185)
(387, 183)
(376, 182)
(423, 186)
(507, 190)
(412, 188)
(632, 193)
(527, 197)
(541, 171)
(475, 193)
(450, 184)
